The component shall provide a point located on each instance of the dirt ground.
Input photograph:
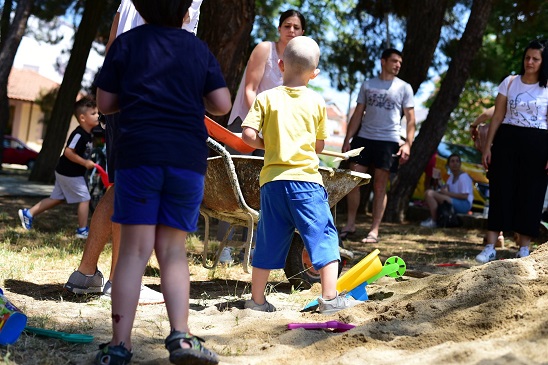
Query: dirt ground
(445, 309)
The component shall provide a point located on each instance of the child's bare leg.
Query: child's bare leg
(259, 278)
(83, 213)
(175, 280)
(44, 205)
(328, 278)
(136, 245)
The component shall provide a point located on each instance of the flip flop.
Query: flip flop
(344, 234)
(370, 239)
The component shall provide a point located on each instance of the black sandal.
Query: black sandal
(113, 355)
(196, 354)
(345, 234)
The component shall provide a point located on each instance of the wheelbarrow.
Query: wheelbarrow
(232, 194)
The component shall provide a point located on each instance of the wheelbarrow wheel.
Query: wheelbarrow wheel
(298, 266)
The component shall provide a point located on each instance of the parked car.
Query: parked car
(18, 153)
(471, 164)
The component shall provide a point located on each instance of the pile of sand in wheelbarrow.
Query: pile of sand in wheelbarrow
(495, 313)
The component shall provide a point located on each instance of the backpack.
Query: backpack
(447, 217)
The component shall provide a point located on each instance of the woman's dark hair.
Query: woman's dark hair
(543, 72)
(167, 13)
(288, 14)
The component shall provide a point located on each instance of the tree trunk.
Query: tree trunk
(61, 115)
(421, 41)
(10, 44)
(226, 27)
(433, 128)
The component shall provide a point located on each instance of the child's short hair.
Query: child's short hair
(84, 103)
(302, 54)
(168, 13)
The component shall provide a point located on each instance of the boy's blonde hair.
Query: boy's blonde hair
(302, 54)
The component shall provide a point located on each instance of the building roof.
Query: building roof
(26, 85)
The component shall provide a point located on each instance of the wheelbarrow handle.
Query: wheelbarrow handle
(343, 155)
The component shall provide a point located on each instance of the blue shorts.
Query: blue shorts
(461, 206)
(290, 205)
(376, 153)
(158, 195)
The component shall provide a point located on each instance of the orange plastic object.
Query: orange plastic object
(223, 135)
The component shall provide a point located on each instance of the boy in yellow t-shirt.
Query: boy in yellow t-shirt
(291, 119)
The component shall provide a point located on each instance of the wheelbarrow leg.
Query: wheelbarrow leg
(248, 243)
(206, 240)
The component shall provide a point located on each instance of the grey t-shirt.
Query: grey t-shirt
(384, 104)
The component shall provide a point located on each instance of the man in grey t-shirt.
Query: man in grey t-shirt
(375, 125)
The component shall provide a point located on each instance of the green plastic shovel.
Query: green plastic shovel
(69, 337)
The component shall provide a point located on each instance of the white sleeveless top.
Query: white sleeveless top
(272, 78)
(130, 18)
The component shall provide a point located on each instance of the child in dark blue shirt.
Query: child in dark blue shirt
(162, 79)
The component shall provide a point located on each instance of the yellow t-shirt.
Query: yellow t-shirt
(290, 120)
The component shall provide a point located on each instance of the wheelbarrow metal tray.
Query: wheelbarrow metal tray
(220, 197)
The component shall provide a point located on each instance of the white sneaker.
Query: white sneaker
(226, 256)
(340, 302)
(149, 296)
(429, 223)
(523, 252)
(488, 254)
(146, 296)
(265, 307)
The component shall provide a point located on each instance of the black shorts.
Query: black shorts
(376, 153)
(112, 121)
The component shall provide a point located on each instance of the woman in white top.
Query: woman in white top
(262, 71)
(516, 153)
(458, 191)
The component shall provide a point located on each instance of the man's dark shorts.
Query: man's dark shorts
(375, 153)
(111, 136)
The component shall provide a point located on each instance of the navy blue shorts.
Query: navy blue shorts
(376, 153)
(158, 195)
(290, 205)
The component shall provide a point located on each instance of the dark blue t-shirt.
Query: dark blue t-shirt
(81, 142)
(161, 75)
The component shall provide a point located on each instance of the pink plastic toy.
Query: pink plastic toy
(335, 325)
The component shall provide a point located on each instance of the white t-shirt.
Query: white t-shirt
(130, 18)
(385, 101)
(526, 105)
(463, 185)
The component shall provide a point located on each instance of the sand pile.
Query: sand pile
(490, 314)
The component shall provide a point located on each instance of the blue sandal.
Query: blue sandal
(196, 354)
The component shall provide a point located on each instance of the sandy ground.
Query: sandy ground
(488, 314)
(468, 314)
